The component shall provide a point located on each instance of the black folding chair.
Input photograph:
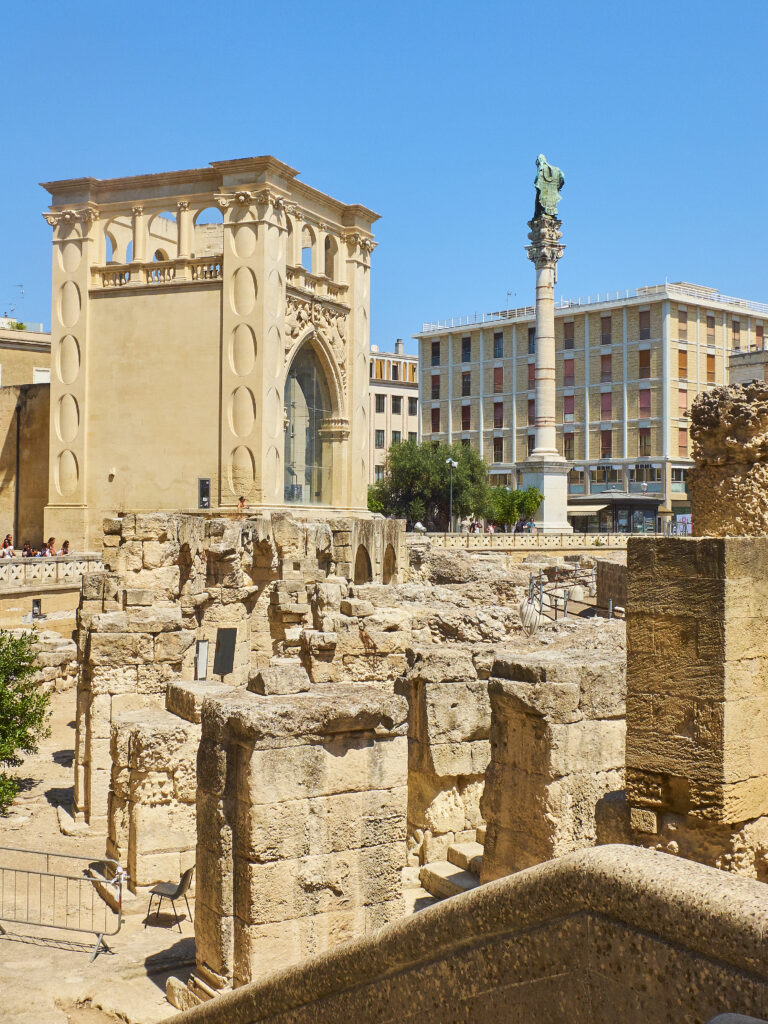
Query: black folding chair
(169, 891)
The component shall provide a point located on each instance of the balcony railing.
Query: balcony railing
(32, 573)
(120, 275)
(317, 284)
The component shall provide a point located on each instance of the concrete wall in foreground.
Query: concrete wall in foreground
(604, 935)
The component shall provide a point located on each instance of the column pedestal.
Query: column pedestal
(551, 478)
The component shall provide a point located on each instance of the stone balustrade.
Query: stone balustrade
(522, 541)
(62, 570)
(317, 284)
(119, 275)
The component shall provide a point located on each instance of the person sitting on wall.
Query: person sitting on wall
(65, 548)
(241, 502)
(26, 551)
(7, 549)
(49, 549)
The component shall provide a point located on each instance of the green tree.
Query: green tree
(507, 506)
(24, 709)
(417, 483)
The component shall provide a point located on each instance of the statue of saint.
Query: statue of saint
(549, 181)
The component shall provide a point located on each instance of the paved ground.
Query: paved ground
(45, 975)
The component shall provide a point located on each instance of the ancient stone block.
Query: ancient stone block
(282, 675)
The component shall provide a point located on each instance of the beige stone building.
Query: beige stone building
(628, 367)
(210, 342)
(25, 355)
(393, 405)
(748, 364)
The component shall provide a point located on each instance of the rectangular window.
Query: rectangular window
(531, 341)
(378, 473)
(435, 353)
(682, 364)
(605, 330)
(644, 403)
(644, 442)
(466, 384)
(759, 337)
(397, 405)
(606, 444)
(435, 421)
(531, 411)
(568, 408)
(710, 328)
(498, 380)
(644, 363)
(736, 332)
(379, 439)
(645, 324)
(381, 402)
(606, 373)
(682, 441)
(412, 436)
(498, 449)
(568, 373)
(682, 325)
(710, 368)
(466, 350)
(413, 406)
(498, 345)
(531, 443)
(395, 371)
(682, 401)
(466, 417)
(396, 437)
(568, 446)
(606, 405)
(531, 374)
(568, 336)
(435, 386)
(498, 415)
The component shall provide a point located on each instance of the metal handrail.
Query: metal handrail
(49, 884)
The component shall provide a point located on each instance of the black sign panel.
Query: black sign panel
(224, 656)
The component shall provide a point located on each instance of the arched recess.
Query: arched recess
(208, 232)
(331, 253)
(363, 570)
(308, 403)
(389, 567)
(308, 249)
(290, 239)
(163, 236)
(118, 235)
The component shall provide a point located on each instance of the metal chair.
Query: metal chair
(169, 891)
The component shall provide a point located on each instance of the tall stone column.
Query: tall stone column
(545, 468)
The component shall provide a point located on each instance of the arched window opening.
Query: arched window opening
(308, 453)
(163, 235)
(389, 568)
(110, 246)
(330, 256)
(129, 252)
(307, 245)
(363, 571)
(159, 255)
(209, 232)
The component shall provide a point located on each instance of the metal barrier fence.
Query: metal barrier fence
(51, 896)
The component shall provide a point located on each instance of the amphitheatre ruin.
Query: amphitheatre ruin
(436, 777)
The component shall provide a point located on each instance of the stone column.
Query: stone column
(139, 235)
(545, 468)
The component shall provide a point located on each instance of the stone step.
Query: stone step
(480, 834)
(463, 855)
(444, 879)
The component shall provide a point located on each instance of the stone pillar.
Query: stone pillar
(139, 235)
(185, 229)
(545, 468)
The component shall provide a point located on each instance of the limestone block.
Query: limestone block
(185, 698)
(120, 650)
(281, 676)
(441, 666)
(112, 526)
(173, 646)
(214, 936)
(156, 553)
(355, 607)
(134, 596)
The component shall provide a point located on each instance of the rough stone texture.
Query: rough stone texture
(728, 484)
(697, 653)
(607, 934)
(56, 660)
(152, 797)
(557, 751)
(301, 815)
(448, 725)
(611, 586)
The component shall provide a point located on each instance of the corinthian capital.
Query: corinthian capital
(545, 234)
(137, 211)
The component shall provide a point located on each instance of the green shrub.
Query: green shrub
(24, 709)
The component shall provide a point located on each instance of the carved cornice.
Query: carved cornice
(545, 234)
(326, 320)
(87, 215)
(335, 428)
(242, 198)
(137, 210)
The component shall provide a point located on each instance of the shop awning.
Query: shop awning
(584, 510)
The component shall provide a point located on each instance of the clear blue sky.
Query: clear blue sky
(430, 113)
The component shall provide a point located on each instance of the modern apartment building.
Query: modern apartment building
(393, 410)
(748, 364)
(628, 367)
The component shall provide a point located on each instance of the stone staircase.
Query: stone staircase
(460, 873)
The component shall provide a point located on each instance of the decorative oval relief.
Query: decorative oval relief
(245, 240)
(271, 473)
(69, 303)
(70, 253)
(66, 473)
(273, 413)
(243, 291)
(68, 359)
(67, 418)
(242, 470)
(242, 353)
(242, 411)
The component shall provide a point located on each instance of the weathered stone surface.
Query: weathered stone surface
(282, 675)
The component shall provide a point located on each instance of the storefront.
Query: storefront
(622, 513)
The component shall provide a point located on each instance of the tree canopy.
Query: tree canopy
(23, 709)
(417, 483)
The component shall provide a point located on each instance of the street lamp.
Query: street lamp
(452, 464)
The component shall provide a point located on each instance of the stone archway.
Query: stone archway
(363, 570)
(389, 567)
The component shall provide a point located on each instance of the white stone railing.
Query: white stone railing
(317, 284)
(510, 541)
(118, 275)
(33, 573)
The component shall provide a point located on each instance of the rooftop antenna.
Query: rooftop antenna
(510, 295)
